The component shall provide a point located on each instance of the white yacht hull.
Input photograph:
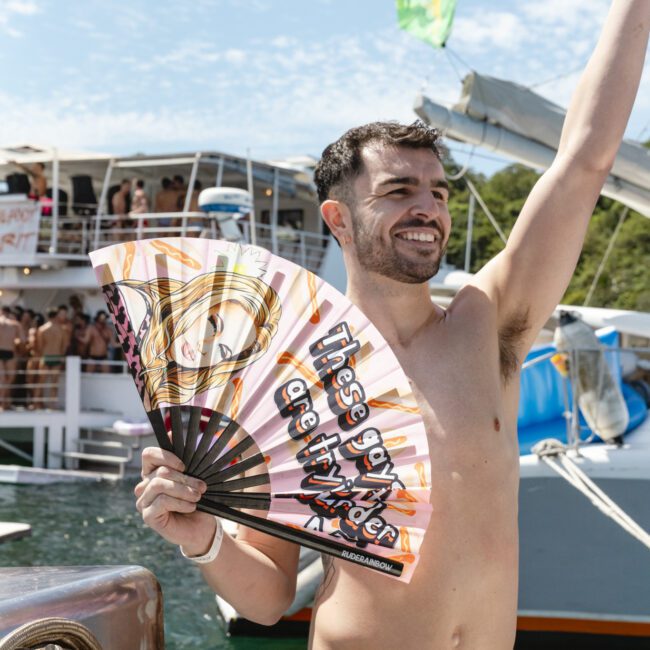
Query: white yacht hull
(580, 571)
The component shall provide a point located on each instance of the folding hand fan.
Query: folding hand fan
(277, 392)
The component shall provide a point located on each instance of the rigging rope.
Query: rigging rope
(70, 634)
(448, 50)
(608, 250)
(568, 73)
(485, 209)
(553, 453)
(464, 169)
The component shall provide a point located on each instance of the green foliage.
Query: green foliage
(625, 280)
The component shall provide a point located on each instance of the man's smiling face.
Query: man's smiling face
(400, 216)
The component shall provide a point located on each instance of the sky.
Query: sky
(277, 78)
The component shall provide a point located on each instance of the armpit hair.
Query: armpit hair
(510, 336)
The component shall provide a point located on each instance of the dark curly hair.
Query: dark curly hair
(341, 161)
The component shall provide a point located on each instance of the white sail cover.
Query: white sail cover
(520, 110)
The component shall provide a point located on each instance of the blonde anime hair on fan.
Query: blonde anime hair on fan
(175, 306)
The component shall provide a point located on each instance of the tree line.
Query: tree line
(624, 282)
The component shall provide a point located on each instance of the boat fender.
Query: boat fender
(599, 396)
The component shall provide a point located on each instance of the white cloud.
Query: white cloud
(22, 7)
(283, 41)
(191, 52)
(572, 12)
(10, 8)
(493, 30)
(285, 94)
(235, 56)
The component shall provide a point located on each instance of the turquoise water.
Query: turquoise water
(96, 523)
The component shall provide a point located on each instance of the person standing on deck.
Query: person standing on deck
(10, 340)
(37, 180)
(120, 204)
(100, 337)
(384, 197)
(52, 341)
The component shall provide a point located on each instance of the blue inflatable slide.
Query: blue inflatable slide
(542, 401)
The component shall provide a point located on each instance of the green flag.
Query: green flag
(429, 20)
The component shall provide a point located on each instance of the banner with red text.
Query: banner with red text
(19, 223)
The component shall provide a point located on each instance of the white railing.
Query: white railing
(109, 229)
(68, 238)
(56, 402)
(73, 237)
(304, 248)
(37, 383)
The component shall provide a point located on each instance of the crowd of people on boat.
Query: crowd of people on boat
(126, 200)
(128, 197)
(131, 199)
(34, 347)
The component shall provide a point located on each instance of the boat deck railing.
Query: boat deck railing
(72, 238)
(56, 397)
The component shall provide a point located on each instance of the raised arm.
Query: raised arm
(529, 277)
(22, 167)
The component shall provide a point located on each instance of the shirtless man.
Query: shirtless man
(52, 340)
(10, 340)
(166, 197)
(384, 197)
(37, 178)
(165, 202)
(120, 205)
(100, 336)
(33, 355)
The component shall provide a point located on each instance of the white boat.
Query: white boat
(92, 424)
(44, 263)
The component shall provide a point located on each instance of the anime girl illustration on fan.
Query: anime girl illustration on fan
(188, 337)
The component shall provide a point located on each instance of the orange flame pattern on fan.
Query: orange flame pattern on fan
(419, 468)
(234, 409)
(128, 259)
(311, 284)
(288, 358)
(405, 539)
(236, 398)
(176, 253)
(405, 558)
(380, 404)
(405, 495)
(409, 512)
(390, 443)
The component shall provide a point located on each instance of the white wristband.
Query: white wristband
(213, 551)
